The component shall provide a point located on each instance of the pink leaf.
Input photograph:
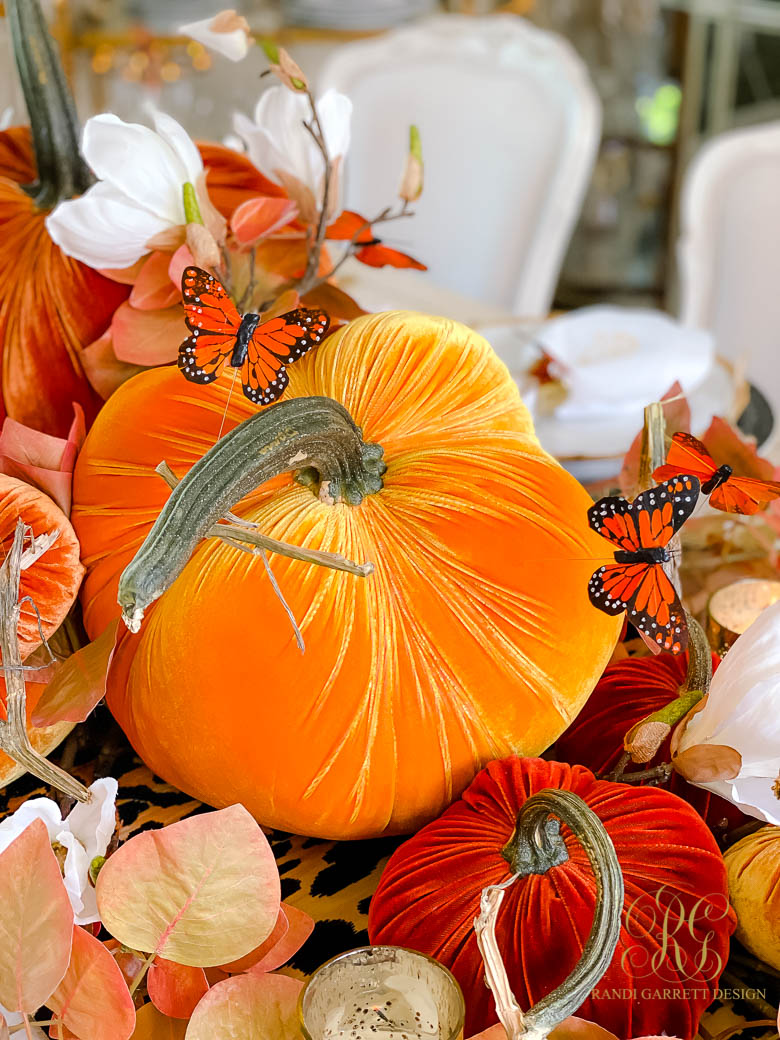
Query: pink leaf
(260, 217)
(79, 683)
(102, 367)
(248, 1006)
(147, 337)
(174, 988)
(36, 921)
(153, 287)
(300, 927)
(39, 459)
(93, 1000)
(150, 1024)
(201, 892)
(181, 258)
(124, 275)
(677, 413)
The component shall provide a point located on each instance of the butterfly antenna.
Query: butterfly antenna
(227, 404)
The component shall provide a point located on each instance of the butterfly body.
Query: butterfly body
(718, 478)
(261, 349)
(636, 583)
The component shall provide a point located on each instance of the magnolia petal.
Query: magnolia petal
(147, 337)
(145, 167)
(36, 921)
(201, 892)
(93, 823)
(212, 218)
(703, 763)
(260, 147)
(75, 877)
(153, 287)
(175, 989)
(232, 43)
(203, 246)
(93, 999)
(280, 114)
(150, 1024)
(78, 685)
(168, 241)
(43, 809)
(248, 1007)
(103, 228)
(182, 146)
(260, 217)
(335, 112)
(758, 797)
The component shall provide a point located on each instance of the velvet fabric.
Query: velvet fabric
(629, 691)
(676, 923)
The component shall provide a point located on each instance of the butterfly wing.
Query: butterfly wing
(275, 344)
(614, 520)
(660, 512)
(647, 596)
(213, 321)
(744, 495)
(687, 454)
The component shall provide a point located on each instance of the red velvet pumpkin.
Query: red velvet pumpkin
(629, 691)
(676, 918)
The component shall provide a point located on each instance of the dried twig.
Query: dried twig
(14, 740)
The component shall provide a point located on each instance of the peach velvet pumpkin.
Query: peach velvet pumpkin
(753, 867)
(474, 638)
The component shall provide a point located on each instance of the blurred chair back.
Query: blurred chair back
(729, 250)
(510, 125)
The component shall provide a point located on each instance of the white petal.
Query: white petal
(754, 795)
(6, 117)
(280, 115)
(11, 1017)
(93, 823)
(103, 228)
(335, 112)
(139, 163)
(233, 45)
(260, 148)
(75, 874)
(34, 809)
(177, 138)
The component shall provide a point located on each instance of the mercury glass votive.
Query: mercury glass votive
(382, 993)
(736, 606)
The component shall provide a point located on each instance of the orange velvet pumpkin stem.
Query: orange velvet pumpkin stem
(313, 435)
(14, 740)
(62, 171)
(536, 847)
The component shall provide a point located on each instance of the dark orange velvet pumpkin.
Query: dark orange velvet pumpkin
(676, 920)
(629, 691)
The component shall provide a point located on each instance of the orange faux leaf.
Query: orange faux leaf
(51, 307)
(104, 370)
(299, 927)
(248, 1006)
(153, 288)
(79, 683)
(201, 892)
(378, 255)
(245, 963)
(36, 921)
(704, 763)
(150, 1024)
(39, 459)
(231, 178)
(147, 337)
(351, 227)
(260, 217)
(728, 446)
(338, 304)
(93, 999)
(175, 989)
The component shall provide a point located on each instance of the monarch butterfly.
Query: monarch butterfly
(728, 493)
(261, 349)
(636, 582)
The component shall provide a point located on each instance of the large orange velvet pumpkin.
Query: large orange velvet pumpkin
(676, 921)
(473, 638)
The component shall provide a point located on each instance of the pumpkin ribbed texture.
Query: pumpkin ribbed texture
(474, 638)
(753, 866)
(676, 920)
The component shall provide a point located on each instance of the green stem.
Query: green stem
(313, 435)
(62, 172)
(538, 846)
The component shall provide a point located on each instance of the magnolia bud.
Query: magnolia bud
(412, 180)
(289, 72)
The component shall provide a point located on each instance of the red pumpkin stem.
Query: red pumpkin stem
(62, 172)
(537, 846)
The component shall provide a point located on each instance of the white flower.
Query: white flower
(85, 834)
(6, 118)
(743, 712)
(13, 1019)
(226, 32)
(139, 195)
(282, 148)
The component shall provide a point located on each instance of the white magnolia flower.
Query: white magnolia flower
(6, 118)
(282, 148)
(743, 712)
(85, 834)
(226, 32)
(139, 195)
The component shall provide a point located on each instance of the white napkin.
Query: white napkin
(616, 360)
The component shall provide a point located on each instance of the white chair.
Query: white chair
(510, 125)
(729, 251)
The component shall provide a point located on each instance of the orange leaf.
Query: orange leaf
(36, 921)
(175, 989)
(299, 927)
(103, 369)
(201, 892)
(153, 288)
(728, 446)
(379, 255)
(79, 682)
(260, 217)
(245, 963)
(335, 301)
(181, 258)
(150, 1024)
(348, 226)
(248, 1006)
(147, 337)
(93, 1000)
